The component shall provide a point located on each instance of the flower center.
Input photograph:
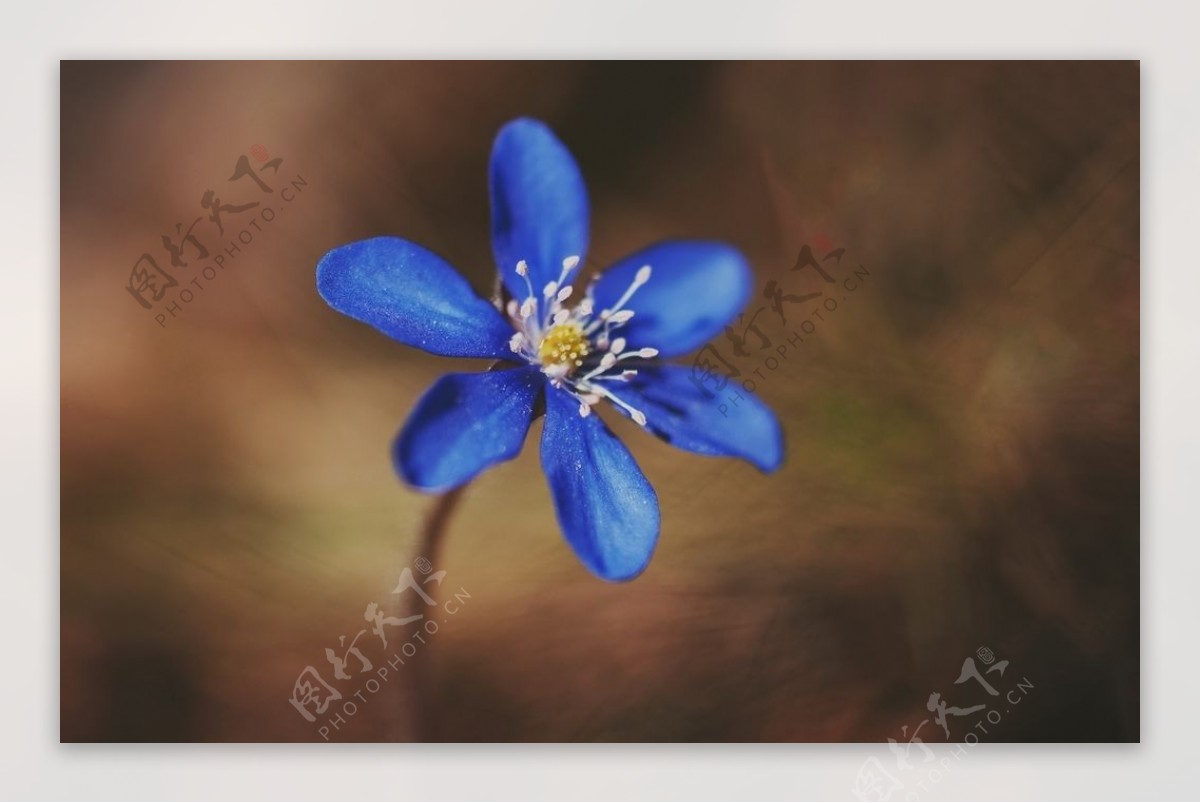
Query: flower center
(565, 346)
(576, 347)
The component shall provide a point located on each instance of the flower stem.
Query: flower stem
(429, 547)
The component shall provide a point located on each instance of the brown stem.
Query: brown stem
(429, 547)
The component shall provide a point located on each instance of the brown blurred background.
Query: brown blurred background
(962, 433)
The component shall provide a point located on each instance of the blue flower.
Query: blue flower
(562, 351)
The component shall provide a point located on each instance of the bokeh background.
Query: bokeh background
(962, 433)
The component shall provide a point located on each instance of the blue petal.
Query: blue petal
(695, 289)
(412, 295)
(539, 205)
(686, 413)
(606, 507)
(464, 424)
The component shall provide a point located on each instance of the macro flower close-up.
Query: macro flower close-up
(562, 348)
(588, 401)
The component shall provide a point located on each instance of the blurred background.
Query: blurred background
(962, 433)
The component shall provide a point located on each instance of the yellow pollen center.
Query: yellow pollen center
(564, 345)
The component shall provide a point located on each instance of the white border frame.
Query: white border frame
(37, 35)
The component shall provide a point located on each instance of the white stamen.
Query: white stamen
(643, 276)
(523, 272)
(624, 376)
(600, 352)
(636, 414)
(567, 264)
(606, 362)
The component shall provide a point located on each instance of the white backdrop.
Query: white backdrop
(37, 35)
